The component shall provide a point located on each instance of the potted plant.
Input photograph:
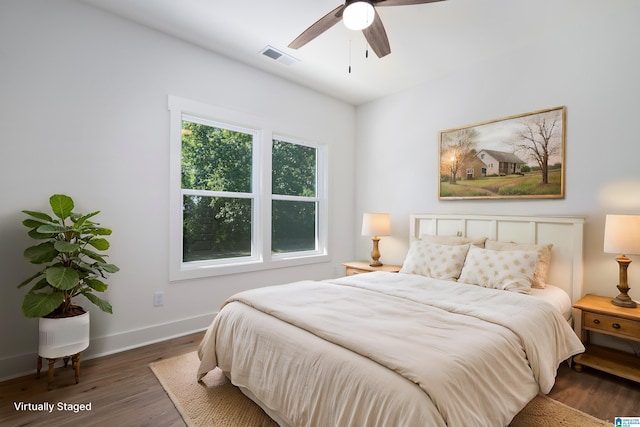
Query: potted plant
(69, 249)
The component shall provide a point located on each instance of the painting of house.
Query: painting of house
(499, 163)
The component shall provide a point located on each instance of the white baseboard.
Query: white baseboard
(25, 364)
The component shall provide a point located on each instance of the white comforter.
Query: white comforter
(388, 349)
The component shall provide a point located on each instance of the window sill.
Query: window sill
(193, 271)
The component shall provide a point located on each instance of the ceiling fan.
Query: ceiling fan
(357, 15)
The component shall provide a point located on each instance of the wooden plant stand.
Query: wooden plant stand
(75, 364)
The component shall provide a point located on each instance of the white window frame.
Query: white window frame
(261, 257)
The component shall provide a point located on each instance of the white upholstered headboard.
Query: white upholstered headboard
(565, 233)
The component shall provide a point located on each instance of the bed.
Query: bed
(416, 347)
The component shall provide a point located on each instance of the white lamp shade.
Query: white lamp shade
(358, 15)
(622, 234)
(376, 224)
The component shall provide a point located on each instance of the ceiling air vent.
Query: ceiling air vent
(279, 56)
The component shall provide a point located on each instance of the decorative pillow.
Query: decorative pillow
(542, 270)
(507, 270)
(433, 260)
(453, 240)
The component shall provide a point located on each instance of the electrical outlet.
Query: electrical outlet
(158, 299)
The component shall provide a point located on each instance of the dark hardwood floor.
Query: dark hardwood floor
(121, 388)
(597, 393)
(124, 392)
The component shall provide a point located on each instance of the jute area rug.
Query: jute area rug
(219, 403)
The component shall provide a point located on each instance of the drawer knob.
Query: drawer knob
(616, 326)
(596, 321)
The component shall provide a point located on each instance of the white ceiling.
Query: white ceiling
(427, 41)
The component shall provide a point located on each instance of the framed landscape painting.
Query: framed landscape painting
(515, 157)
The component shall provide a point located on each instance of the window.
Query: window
(217, 195)
(242, 197)
(470, 172)
(294, 206)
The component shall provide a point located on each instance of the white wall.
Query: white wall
(83, 111)
(590, 66)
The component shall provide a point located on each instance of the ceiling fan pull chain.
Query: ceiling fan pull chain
(349, 54)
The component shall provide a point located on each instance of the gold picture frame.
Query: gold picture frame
(516, 157)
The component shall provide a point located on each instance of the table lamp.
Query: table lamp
(376, 225)
(622, 236)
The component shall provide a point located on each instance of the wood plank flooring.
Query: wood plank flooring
(121, 388)
(597, 393)
(124, 392)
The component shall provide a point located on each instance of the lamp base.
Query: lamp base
(375, 253)
(624, 300)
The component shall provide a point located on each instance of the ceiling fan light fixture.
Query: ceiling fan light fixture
(358, 15)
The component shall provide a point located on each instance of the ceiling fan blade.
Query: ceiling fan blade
(377, 37)
(402, 2)
(319, 27)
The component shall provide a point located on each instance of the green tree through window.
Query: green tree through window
(216, 161)
(295, 204)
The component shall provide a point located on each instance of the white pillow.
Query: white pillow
(541, 274)
(506, 270)
(453, 240)
(433, 260)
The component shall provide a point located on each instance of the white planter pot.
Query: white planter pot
(63, 337)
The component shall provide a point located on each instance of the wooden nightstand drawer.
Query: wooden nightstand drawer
(611, 325)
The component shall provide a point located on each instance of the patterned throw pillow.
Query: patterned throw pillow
(542, 270)
(506, 270)
(433, 260)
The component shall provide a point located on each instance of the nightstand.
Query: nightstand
(359, 267)
(599, 315)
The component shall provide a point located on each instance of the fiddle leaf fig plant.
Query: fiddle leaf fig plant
(70, 253)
